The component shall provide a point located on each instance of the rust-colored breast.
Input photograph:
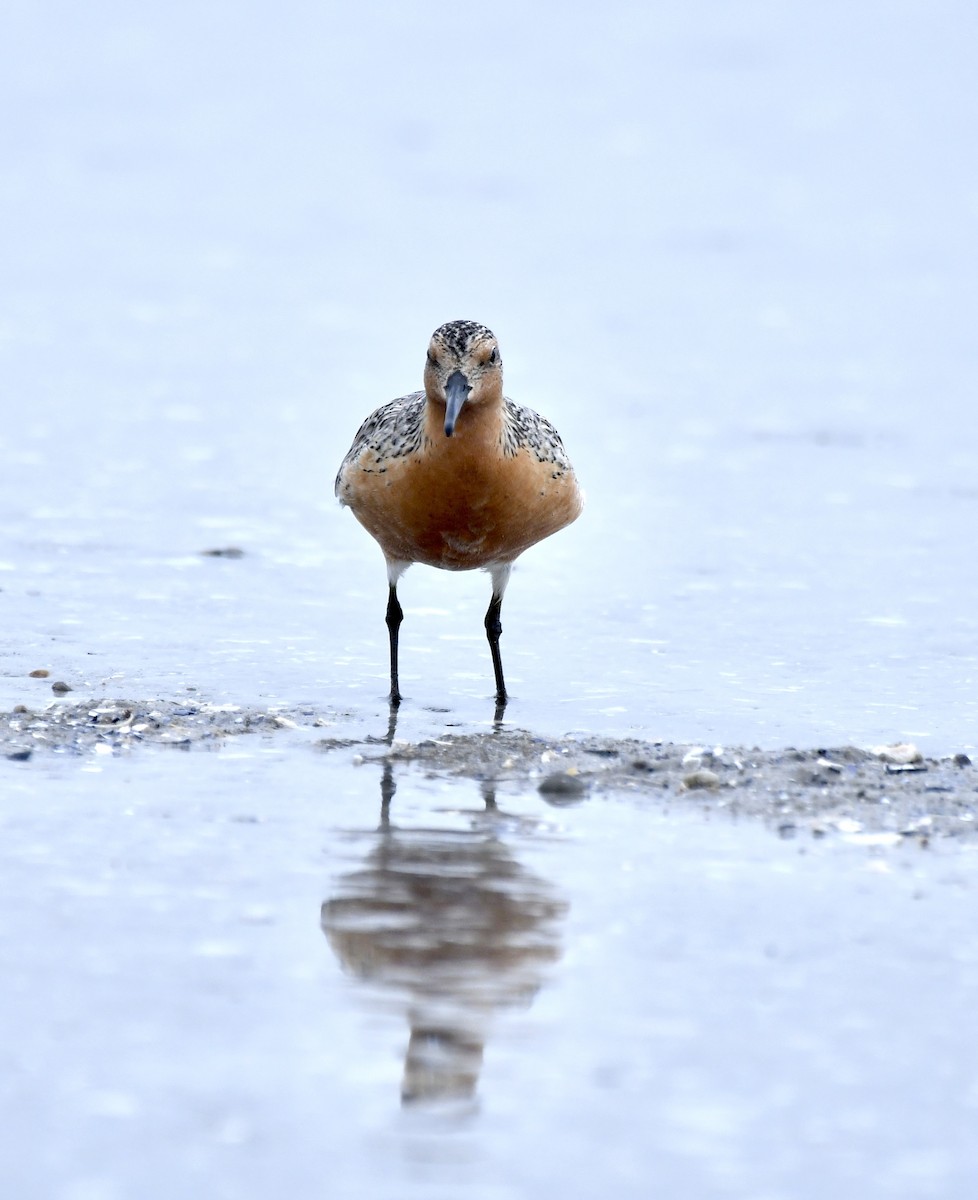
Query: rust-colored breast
(462, 502)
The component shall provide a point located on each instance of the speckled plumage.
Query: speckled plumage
(526, 429)
(458, 476)
(397, 429)
(394, 430)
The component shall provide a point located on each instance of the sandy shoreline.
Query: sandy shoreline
(851, 792)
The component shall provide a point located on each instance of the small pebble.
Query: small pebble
(902, 754)
(224, 552)
(560, 783)
(40, 673)
(61, 687)
(20, 755)
(701, 779)
(962, 760)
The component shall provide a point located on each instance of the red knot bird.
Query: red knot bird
(458, 476)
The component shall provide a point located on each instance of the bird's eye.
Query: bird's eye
(494, 356)
(432, 359)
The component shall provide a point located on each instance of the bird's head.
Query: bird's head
(464, 367)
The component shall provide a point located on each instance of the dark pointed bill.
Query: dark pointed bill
(456, 393)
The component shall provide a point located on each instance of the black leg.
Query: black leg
(395, 615)
(494, 628)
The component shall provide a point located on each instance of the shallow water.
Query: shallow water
(732, 256)
(251, 979)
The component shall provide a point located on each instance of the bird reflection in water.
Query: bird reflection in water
(454, 922)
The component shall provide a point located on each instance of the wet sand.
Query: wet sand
(876, 796)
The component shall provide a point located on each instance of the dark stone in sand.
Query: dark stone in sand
(559, 783)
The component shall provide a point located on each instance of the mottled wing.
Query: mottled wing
(392, 431)
(525, 429)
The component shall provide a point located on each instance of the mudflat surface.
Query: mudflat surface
(874, 796)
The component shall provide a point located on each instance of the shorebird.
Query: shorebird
(458, 476)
